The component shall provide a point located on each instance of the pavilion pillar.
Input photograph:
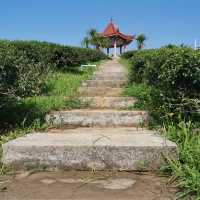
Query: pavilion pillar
(108, 51)
(115, 49)
(120, 50)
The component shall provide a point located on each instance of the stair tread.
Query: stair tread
(107, 97)
(92, 138)
(97, 150)
(98, 118)
(102, 130)
(100, 111)
(92, 80)
(101, 87)
(99, 102)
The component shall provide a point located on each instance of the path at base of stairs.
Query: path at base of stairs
(76, 185)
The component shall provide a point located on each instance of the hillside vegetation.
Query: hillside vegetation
(166, 82)
(173, 73)
(34, 74)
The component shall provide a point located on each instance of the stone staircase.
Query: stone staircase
(106, 136)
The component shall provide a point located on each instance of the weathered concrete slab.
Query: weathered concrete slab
(103, 83)
(102, 118)
(105, 131)
(92, 150)
(113, 76)
(100, 91)
(108, 73)
(109, 102)
(112, 67)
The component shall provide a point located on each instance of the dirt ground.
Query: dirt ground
(75, 185)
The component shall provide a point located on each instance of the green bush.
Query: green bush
(140, 60)
(128, 54)
(173, 77)
(174, 74)
(24, 65)
(59, 56)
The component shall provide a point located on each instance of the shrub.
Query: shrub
(140, 60)
(25, 64)
(128, 54)
(19, 76)
(59, 56)
(174, 74)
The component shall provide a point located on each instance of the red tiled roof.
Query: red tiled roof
(113, 30)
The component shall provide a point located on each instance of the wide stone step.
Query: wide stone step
(103, 83)
(115, 74)
(109, 102)
(101, 118)
(100, 91)
(88, 150)
(111, 70)
(109, 77)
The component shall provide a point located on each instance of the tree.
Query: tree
(140, 41)
(95, 39)
(85, 42)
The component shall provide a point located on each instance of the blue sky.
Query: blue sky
(66, 21)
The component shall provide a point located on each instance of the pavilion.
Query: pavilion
(116, 38)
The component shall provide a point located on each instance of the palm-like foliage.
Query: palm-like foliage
(85, 42)
(140, 41)
(95, 39)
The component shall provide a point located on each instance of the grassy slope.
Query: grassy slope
(185, 170)
(58, 87)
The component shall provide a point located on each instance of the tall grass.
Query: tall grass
(186, 170)
(59, 86)
(141, 92)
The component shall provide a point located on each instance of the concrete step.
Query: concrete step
(115, 74)
(109, 102)
(112, 70)
(100, 91)
(103, 130)
(88, 150)
(103, 83)
(95, 118)
(109, 77)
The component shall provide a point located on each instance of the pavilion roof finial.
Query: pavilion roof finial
(111, 19)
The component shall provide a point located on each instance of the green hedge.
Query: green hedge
(128, 54)
(24, 65)
(174, 74)
(60, 56)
